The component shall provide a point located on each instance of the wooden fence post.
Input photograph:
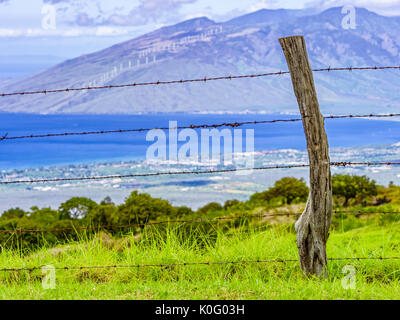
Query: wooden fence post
(313, 226)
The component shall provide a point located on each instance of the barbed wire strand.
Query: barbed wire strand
(184, 264)
(171, 173)
(200, 220)
(205, 79)
(192, 126)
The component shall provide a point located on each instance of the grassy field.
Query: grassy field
(374, 279)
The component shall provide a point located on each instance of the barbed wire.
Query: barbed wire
(192, 126)
(355, 68)
(149, 174)
(171, 173)
(185, 264)
(205, 79)
(359, 212)
(199, 220)
(137, 84)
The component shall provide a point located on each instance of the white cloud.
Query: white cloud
(264, 5)
(120, 12)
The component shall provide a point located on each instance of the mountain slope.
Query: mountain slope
(201, 47)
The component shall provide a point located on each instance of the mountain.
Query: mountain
(247, 44)
(265, 17)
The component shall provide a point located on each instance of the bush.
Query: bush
(232, 203)
(101, 215)
(76, 208)
(45, 216)
(353, 187)
(288, 189)
(261, 197)
(13, 213)
(141, 208)
(211, 207)
(183, 211)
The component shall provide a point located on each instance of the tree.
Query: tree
(101, 215)
(140, 208)
(260, 197)
(231, 203)
(212, 206)
(352, 187)
(44, 216)
(290, 189)
(183, 211)
(13, 213)
(107, 200)
(76, 208)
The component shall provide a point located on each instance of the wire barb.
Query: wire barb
(230, 77)
(201, 220)
(171, 173)
(186, 264)
(193, 126)
(4, 137)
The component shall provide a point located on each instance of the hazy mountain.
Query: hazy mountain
(247, 44)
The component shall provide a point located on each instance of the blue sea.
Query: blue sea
(28, 153)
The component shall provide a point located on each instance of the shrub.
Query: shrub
(76, 208)
(141, 208)
(13, 213)
(353, 187)
(290, 189)
(231, 203)
(211, 207)
(183, 211)
(101, 215)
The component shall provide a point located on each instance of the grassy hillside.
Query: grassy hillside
(361, 227)
(375, 279)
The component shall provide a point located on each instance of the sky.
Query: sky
(69, 28)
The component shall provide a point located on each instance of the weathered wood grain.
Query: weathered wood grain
(313, 226)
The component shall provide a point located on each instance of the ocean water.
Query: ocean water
(132, 146)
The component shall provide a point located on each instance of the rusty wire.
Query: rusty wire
(184, 264)
(147, 174)
(192, 126)
(199, 220)
(205, 79)
(171, 173)
(137, 84)
(359, 212)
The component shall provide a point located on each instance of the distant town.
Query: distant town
(192, 191)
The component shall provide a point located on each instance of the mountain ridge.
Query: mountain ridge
(201, 47)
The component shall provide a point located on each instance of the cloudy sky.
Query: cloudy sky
(69, 28)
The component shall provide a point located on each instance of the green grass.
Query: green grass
(375, 279)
